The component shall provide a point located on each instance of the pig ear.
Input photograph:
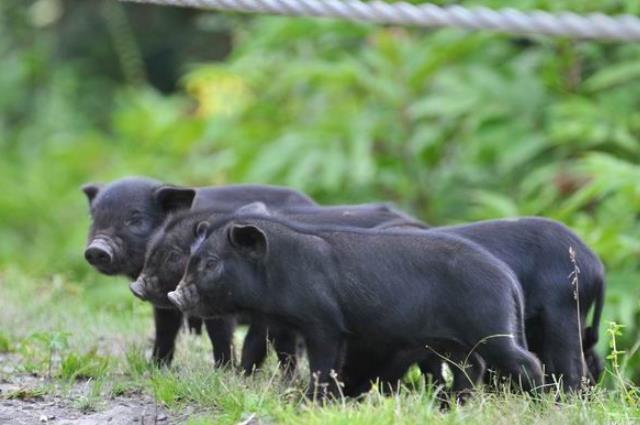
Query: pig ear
(248, 239)
(91, 190)
(171, 198)
(200, 230)
(254, 208)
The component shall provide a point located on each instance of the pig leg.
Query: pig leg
(390, 377)
(511, 360)
(362, 364)
(284, 341)
(431, 366)
(195, 325)
(168, 322)
(254, 348)
(325, 351)
(220, 330)
(595, 366)
(467, 371)
(561, 351)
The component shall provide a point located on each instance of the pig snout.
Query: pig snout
(99, 253)
(176, 299)
(185, 297)
(138, 288)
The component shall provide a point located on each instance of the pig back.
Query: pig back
(235, 196)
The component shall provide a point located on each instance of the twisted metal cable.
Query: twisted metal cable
(566, 24)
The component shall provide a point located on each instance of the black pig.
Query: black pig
(126, 212)
(537, 250)
(168, 253)
(400, 289)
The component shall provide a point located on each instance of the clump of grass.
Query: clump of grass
(5, 343)
(136, 364)
(40, 350)
(174, 388)
(91, 398)
(84, 366)
(618, 359)
(128, 387)
(49, 353)
(224, 393)
(27, 394)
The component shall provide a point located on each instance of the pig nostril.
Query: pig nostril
(97, 256)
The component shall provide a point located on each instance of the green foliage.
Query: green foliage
(83, 366)
(40, 351)
(137, 364)
(5, 344)
(452, 126)
(89, 401)
(26, 394)
(48, 352)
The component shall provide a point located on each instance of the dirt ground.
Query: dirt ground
(20, 404)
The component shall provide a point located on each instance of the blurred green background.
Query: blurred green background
(452, 126)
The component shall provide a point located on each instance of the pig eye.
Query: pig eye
(173, 257)
(212, 263)
(135, 221)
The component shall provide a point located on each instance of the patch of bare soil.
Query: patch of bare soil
(22, 403)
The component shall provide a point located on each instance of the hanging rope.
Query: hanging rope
(566, 24)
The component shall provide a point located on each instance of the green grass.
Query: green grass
(88, 352)
(83, 366)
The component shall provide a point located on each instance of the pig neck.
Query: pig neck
(305, 299)
(252, 298)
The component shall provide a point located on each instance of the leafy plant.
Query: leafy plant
(41, 350)
(5, 344)
(83, 366)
